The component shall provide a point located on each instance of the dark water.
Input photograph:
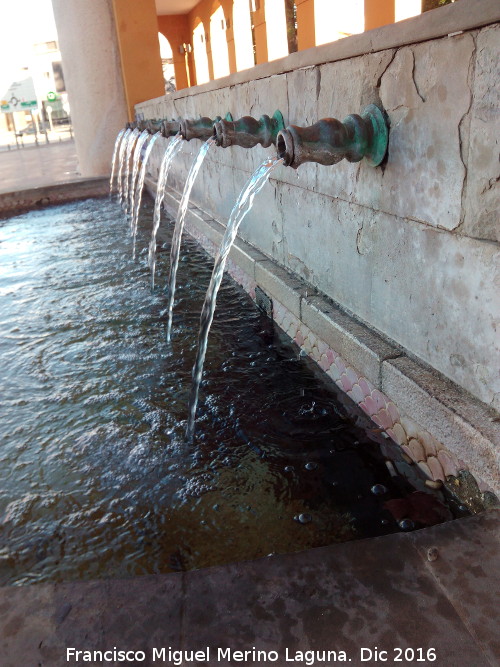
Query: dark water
(95, 477)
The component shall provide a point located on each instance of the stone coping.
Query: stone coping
(435, 588)
(450, 19)
(420, 409)
(31, 198)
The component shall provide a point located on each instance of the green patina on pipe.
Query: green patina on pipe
(248, 132)
(329, 140)
(199, 128)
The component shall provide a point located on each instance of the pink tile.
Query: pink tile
(405, 448)
(400, 434)
(376, 419)
(436, 469)
(430, 445)
(371, 405)
(393, 411)
(425, 469)
(299, 338)
(366, 388)
(362, 405)
(385, 419)
(416, 449)
(356, 393)
(315, 354)
(450, 466)
(313, 339)
(346, 382)
(324, 363)
(322, 347)
(379, 399)
(352, 375)
(330, 355)
(334, 373)
(339, 362)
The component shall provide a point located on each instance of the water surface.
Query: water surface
(96, 479)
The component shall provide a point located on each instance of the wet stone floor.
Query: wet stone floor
(96, 478)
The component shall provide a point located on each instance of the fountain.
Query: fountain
(326, 142)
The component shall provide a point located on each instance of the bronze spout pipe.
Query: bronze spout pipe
(248, 132)
(330, 140)
(170, 128)
(199, 128)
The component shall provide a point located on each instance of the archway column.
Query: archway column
(93, 76)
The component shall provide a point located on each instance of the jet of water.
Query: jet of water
(121, 162)
(179, 226)
(135, 169)
(171, 151)
(240, 210)
(113, 161)
(140, 186)
(130, 147)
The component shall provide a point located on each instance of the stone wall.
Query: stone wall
(409, 248)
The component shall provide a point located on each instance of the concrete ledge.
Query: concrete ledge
(459, 421)
(358, 345)
(25, 200)
(281, 285)
(432, 588)
(437, 23)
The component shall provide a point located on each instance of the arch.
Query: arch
(334, 19)
(176, 29)
(277, 42)
(218, 42)
(167, 63)
(242, 28)
(200, 54)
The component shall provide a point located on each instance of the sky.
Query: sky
(21, 25)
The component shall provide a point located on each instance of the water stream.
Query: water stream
(240, 210)
(128, 154)
(179, 226)
(114, 159)
(121, 163)
(140, 186)
(171, 151)
(135, 170)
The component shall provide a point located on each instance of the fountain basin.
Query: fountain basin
(98, 480)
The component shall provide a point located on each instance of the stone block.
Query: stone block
(263, 226)
(482, 201)
(426, 100)
(358, 346)
(346, 87)
(279, 284)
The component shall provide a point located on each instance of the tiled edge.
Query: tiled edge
(448, 445)
(23, 200)
(462, 424)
